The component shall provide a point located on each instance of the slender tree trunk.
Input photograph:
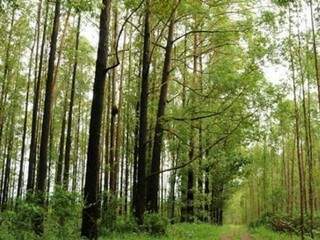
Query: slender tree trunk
(61, 46)
(143, 120)
(307, 142)
(114, 113)
(77, 153)
(59, 168)
(153, 181)
(47, 116)
(8, 165)
(70, 113)
(90, 213)
(297, 133)
(36, 99)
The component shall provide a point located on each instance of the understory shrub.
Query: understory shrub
(17, 223)
(155, 224)
(289, 224)
(61, 219)
(64, 215)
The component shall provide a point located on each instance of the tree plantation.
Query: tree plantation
(160, 119)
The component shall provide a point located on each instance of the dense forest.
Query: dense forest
(159, 119)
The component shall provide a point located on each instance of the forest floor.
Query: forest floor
(206, 232)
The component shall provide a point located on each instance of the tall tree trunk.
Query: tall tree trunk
(59, 167)
(114, 113)
(69, 128)
(153, 180)
(36, 99)
(90, 212)
(76, 152)
(307, 141)
(8, 165)
(61, 46)
(139, 207)
(47, 117)
(297, 134)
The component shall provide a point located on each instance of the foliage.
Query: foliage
(62, 218)
(64, 215)
(155, 224)
(17, 223)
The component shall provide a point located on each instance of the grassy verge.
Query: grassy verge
(177, 232)
(205, 232)
(262, 233)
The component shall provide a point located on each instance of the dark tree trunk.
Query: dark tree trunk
(8, 166)
(69, 128)
(190, 197)
(143, 120)
(61, 46)
(114, 113)
(36, 100)
(172, 197)
(90, 213)
(135, 160)
(153, 181)
(47, 117)
(5, 146)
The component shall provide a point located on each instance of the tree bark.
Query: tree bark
(139, 207)
(36, 100)
(90, 212)
(47, 117)
(153, 181)
(70, 113)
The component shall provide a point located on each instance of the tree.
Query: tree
(139, 207)
(47, 117)
(90, 213)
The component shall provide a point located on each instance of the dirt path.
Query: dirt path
(236, 233)
(246, 237)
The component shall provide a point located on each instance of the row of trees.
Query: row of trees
(176, 93)
(286, 162)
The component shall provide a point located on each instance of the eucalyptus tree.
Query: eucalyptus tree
(90, 214)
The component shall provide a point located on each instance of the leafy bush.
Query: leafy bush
(17, 223)
(126, 224)
(288, 224)
(155, 224)
(64, 216)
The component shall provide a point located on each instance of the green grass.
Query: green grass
(262, 233)
(204, 232)
(177, 232)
